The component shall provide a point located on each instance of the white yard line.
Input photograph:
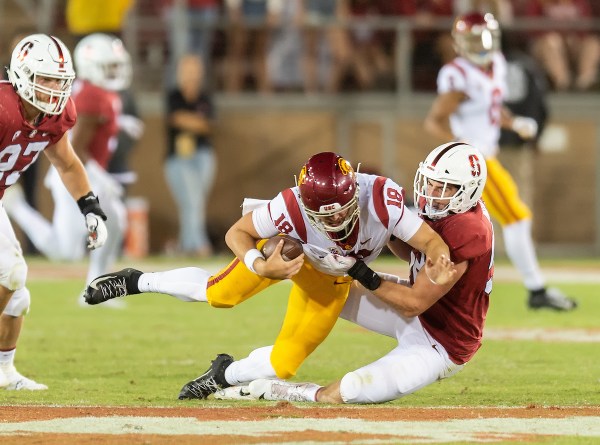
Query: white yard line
(465, 430)
(543, 334)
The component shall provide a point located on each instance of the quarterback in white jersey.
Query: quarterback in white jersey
(343, 219)
(469, 108)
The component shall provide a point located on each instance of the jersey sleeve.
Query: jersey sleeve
(408, 225)
(451, 78)
(403, 221)
(264, 217)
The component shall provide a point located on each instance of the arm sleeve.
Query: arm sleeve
(451, 78)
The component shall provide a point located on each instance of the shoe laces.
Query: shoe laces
(113, 287)
(203, 387)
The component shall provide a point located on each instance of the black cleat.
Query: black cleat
(112, 285)
(550, 298)
(209, 382)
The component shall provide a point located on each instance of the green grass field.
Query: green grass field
(142, 355)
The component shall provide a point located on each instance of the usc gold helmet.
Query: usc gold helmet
(476, 37)
(329, 194)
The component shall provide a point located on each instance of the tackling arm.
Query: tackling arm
(413, 301)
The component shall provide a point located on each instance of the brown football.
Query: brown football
(292, 248)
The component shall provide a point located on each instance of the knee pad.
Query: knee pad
(19, 303)
(351, 388)
(13, 269)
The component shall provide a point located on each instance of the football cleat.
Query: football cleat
(18, 382)
(551, 298)
(282, 390)
(210, 382)
(112, 285)
(238, 392)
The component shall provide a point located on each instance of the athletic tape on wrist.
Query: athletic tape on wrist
(250, 257)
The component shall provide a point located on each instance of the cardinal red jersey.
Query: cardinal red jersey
(456, 320)
(21, 142)
(105, 107)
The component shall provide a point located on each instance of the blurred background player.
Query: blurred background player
(104, 68)
(36, 114)
(469, 107)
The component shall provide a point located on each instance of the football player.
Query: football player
(469, 107)
(343, 218)
(103, 69)
(36, 114)
(439, 327)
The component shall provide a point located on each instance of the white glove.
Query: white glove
(525, 127)
(97, 233)
(337, 264)
(131, 125)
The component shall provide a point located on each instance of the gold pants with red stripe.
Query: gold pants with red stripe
(314, 304)
(501, 195)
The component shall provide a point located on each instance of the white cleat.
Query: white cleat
(282, 390)
(18, 382)
(238, 392)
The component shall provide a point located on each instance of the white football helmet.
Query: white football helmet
(36, 60)
(476, 37)
(103, 60)
(455, 163)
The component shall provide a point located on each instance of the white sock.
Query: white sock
(256, 366)
(186, 284)
(7, 358)
(521, 251)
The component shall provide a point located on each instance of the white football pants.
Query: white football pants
(416, 362)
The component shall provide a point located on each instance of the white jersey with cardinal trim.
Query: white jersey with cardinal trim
(477, 119)
(382, 214)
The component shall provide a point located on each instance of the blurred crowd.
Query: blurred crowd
(350, 45)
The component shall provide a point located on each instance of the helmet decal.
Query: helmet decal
(344, 166)
(475, 166)
(302, 175)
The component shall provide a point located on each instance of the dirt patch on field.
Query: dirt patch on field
(285, 422)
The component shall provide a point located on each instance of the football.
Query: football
(292, 248)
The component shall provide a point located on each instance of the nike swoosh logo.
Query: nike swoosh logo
(365, 242)
(262, 396)
(243, 393)
(97, 280)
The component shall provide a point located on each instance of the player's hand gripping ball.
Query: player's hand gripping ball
(292, 248)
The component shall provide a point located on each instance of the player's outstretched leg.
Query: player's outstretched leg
(113, 285)
(210, 382)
